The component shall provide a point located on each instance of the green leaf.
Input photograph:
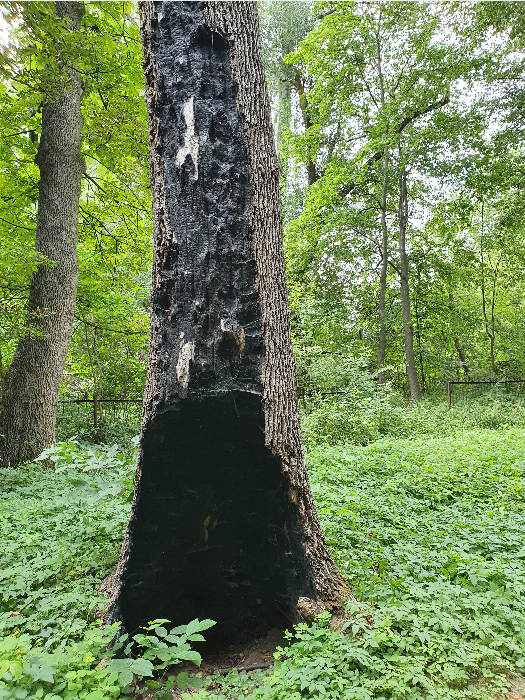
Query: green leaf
(190, 656)
(123, 668)
(142, 667)
(199, 626)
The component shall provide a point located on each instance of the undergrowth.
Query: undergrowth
(428, 532)
(343, 403)
(430, 535)
(355, 417)
(60, 533)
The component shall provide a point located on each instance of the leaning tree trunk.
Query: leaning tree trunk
(459, 347)
(408, 330)
(222, 524)
(32, 382)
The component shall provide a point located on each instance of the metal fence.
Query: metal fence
(475, 389)
(93, 416)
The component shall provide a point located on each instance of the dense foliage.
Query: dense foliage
(431, 95)
(429, 533)
(438, 89)
(108, 349)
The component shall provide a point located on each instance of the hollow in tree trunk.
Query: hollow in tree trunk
(32, 383)
(223, 524)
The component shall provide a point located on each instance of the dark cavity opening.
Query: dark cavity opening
(215, 533)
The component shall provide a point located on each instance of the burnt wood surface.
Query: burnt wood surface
(223, 525)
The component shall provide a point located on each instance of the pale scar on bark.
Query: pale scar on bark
(186, 353)
(239, 339)
(190, 146)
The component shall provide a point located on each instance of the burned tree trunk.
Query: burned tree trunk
(223, 524)
(32, 383)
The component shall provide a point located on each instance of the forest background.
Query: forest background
(399, 128)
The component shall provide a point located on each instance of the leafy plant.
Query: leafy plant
(60, 534)
(86, 670)
(165, 648)
(429, 534)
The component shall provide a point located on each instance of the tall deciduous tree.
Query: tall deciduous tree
(107, 351)
(31, 386)
(408, 331)
(223, 524)
(387, 69)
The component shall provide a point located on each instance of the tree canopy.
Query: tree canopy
(438, 89)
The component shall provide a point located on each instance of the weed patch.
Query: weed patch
(429, 533)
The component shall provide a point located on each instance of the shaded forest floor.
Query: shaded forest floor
(429, 532)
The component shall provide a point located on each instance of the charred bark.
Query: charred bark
(223, 524)
(32, 383)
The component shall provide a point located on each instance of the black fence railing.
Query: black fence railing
(90, 416)
(476, 389)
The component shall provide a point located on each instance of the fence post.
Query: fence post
(449, 395)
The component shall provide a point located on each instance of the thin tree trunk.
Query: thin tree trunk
(223, 524)
(461, 356)
(284, 114)
(420, 353)
(381, 351)
(32, 383)
(408, 331)
(489, 325)
(459, 348)
(303, 102)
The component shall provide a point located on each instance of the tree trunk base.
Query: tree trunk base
(215, 533)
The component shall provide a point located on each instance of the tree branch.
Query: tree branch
(404, 123)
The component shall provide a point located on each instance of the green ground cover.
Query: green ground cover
(429, 533)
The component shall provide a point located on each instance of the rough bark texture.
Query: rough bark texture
(408, 330)
(223, 524)
(32, 382)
